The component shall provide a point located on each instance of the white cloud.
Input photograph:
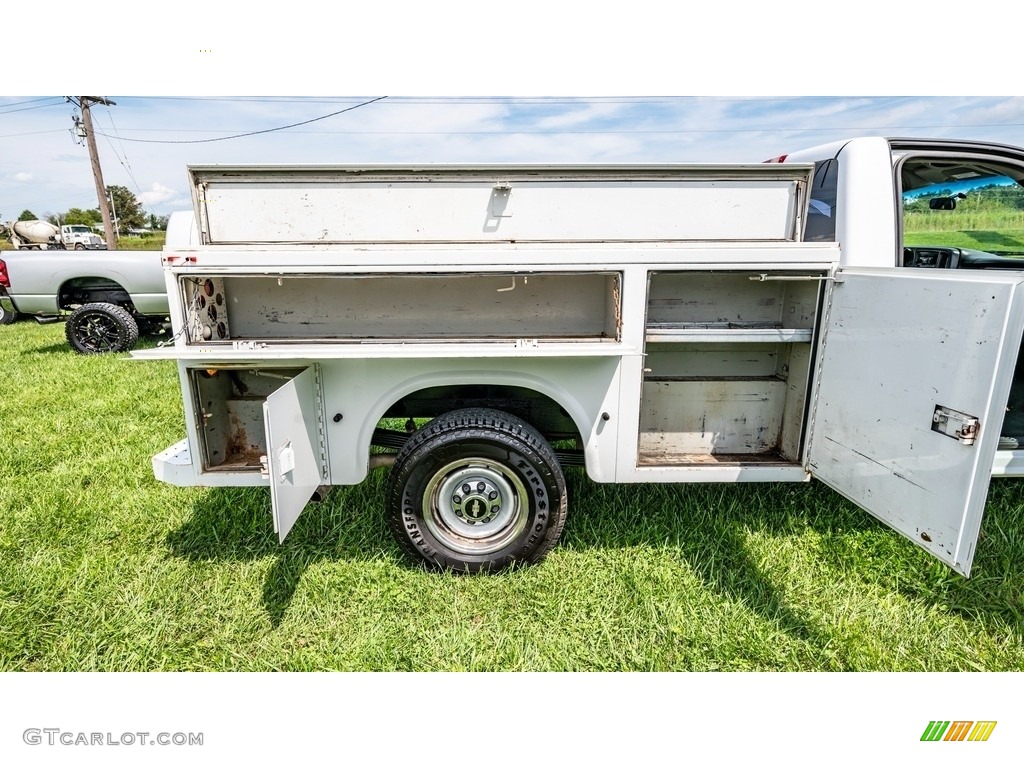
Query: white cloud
(23, 176)
(157, 194)
(581, 115)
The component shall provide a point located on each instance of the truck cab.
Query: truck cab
(81, 238)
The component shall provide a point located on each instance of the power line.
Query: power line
(252, 133)
(30, 101)
(125, 163)
(26, 109)
(31, 133)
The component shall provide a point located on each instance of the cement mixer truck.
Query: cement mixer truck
(42, 235)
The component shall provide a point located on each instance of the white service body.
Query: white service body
(671, 319)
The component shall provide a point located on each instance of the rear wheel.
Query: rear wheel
(7, 316)
(477, 490)
(101, 327)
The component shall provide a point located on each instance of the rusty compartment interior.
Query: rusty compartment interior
(229, 411)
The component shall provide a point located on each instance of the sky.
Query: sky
(145, 143)
(470, 82)
(460, 81)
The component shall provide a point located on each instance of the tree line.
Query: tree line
(127, 211)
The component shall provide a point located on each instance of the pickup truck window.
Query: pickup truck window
(962, 214)
(821, 213)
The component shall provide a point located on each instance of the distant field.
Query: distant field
(104, 568)
(152, 243)
(982, 240)
(981, 224)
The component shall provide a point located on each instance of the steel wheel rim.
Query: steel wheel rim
(483, 519)
(97, 332)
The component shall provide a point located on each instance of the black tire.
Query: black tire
(513, 512)
(79, 247)
(6, 318)
(96, 328)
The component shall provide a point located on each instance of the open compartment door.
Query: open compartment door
(913, 378)
(293, 420)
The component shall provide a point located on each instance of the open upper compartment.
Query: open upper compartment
(581, 306)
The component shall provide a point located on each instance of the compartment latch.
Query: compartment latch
(959, 426)
(285, 462)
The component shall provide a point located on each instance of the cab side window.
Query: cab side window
(961, 213)
(821, 213)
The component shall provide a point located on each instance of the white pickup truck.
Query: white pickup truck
(108, 298)
(475, 329)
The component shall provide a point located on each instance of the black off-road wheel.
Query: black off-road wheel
(476, 490)
(7, 317)
(97, 328)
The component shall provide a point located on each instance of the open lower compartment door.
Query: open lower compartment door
(913, 377)
(293, 420)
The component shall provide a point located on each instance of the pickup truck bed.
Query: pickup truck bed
(107, 297)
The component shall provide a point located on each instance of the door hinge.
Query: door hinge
(764, 277)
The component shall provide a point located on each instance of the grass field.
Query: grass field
(981, 240)
(104, 568)
(152, 242)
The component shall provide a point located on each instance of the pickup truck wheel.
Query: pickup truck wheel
(6, 318)
(476, 490)
(96, 328)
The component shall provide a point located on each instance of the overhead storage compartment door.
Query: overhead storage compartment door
(913, 378)
(499, 204)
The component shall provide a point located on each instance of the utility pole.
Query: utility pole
(83, 103)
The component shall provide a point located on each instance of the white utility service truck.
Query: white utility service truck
(653, 323)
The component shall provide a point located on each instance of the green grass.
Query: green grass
(982, 222)
(104, 568)
(981, 240)
(153, 242)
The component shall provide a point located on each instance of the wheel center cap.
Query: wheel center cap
(475, 507)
